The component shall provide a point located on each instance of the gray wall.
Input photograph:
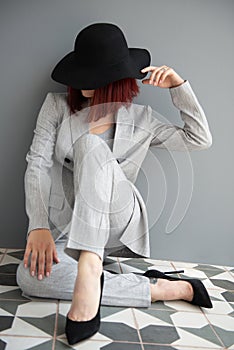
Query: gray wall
(193, 37)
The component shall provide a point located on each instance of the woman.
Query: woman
(88, 146)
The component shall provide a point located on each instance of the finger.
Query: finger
(33, 262)
(159, 72)
(55, 256)
(41, 264)
(165, 74)
(26, 255)
(152, 77)
(146, 81)
(155, 73)
(148, 69)
(49, 261)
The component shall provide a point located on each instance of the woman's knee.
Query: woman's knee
(58, 285)
(29, 284)
(23, 277)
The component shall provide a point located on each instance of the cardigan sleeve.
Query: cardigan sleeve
(37, 181)
(195, 134)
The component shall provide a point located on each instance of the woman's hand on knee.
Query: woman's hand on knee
(41, 245)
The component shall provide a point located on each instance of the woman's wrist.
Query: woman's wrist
(174, 86)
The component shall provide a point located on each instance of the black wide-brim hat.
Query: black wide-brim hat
(101, 56)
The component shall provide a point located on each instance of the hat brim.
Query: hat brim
(86, 77)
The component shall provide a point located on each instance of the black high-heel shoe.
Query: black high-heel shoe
(200, 295)
(80, 330)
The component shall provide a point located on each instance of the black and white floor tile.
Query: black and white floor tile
(39, 323)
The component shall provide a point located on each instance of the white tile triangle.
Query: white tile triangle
(182, 306)
(216, 294)
(98, 336)
(64, 307)
(128, 268)
(21, 343)
(10, 260)
(189, 319)
(144, 319)
(223, 276)
(189, 339)
(4, 289)
(124, 316)
(162, 263)
(181, 264)
(20, 327)
(89, 344)
(5, 313)
(219, 307)
(124, 259)
(36, 309)
(208, 284)
(113, 267)
(222, 321)
(192, 273)
(216, 266)
(14, 250)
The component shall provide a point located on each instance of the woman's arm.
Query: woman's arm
(37, 181)
(195, 134)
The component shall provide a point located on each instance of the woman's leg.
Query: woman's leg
(104, 199)
(95, 182)
(126, 290)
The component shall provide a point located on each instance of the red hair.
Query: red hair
(123, 91)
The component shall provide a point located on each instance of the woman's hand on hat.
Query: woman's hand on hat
(163, 76)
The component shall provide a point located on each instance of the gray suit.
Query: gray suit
(49, 187)
(49, 182)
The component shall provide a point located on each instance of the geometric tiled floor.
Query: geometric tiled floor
(38, 323)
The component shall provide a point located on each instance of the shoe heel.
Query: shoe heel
(158, 274)
(171, 272)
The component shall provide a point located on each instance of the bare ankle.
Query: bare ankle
(152, 292)
(91, 261)
(90, 256)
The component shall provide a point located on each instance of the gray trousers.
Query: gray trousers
(104, 202)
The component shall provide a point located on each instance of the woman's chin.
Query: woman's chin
(87, 94)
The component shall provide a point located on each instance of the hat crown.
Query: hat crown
(101, 43)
